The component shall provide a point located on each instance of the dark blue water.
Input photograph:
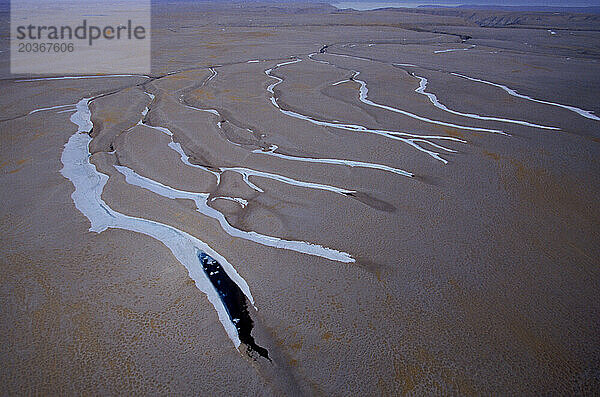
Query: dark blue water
(234, 300)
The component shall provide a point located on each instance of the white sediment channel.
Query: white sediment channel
(201, 199)
(454, 49)
(510, 91)
(434, 100)
(67, 110)
(421, 88)
(346, 56)
(211, 111)
(176, 146)
(410, 139)
(202, 206)
(89, 184)
(81, 77)
(242, 202)
(245, 172)
(310, 56)
(73, 105)
(348, 163)
(212, 76)
(363, 96)
(341, 82)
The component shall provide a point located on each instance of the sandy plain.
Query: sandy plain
(473, 277)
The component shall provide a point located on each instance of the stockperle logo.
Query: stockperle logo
(80, 36)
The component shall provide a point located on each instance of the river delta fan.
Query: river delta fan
(224, 286)
(297, 192)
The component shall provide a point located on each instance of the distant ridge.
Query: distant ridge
(586, 10)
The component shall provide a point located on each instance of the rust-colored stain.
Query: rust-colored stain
(492, 155)
(20, 164)
(407, 375)
(110, 116)
(235, 98)
(453, 132)
(179, 76)
(15, 171)
(201, 93)
(538, 67)
(296, 346)
(522, 331)
(301, 86)
(38, 135)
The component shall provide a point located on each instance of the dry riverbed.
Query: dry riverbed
(300, 200)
